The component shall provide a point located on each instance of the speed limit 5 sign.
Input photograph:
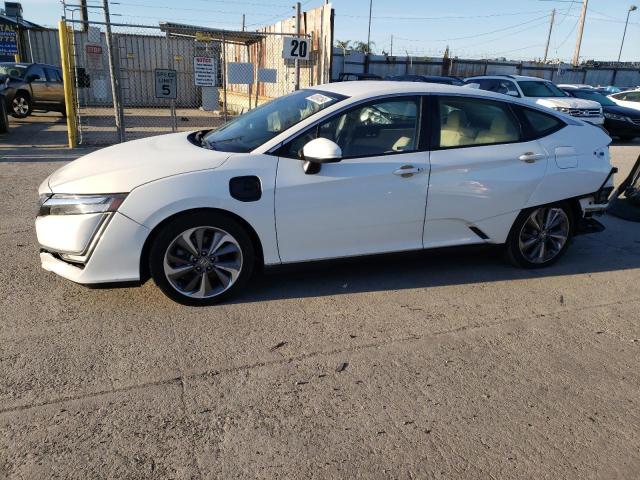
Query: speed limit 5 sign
(295, 48)
(166, 83)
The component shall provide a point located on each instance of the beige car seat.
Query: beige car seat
(501, 131)
(454, 132)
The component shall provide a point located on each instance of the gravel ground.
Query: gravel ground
(447, 365)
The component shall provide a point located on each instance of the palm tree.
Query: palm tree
(343, 44)
(363, 47)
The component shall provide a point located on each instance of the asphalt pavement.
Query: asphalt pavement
(434, 365)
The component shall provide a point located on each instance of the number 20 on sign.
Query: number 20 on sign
(295, 48)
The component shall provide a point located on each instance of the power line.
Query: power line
(223, 12)
(478, 34)
(445, 17)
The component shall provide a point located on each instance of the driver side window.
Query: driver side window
(37, 70)
(383, 127)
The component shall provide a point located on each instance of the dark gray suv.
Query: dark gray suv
(34, 86)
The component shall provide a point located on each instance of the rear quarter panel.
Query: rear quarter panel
(578, 164)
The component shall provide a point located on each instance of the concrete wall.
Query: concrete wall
(355, 62)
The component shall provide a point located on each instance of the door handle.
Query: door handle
(531, 157)
(406, 171)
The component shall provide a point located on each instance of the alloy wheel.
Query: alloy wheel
(20, 106)
(203, 262)
(544, 234)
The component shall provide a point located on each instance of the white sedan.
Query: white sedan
(351, 168)
(629, 99)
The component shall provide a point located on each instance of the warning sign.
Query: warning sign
(205, 71)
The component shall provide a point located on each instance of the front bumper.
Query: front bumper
(620, 128)
(592, 120)
(114, 255)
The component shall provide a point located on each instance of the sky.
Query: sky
(516, 29)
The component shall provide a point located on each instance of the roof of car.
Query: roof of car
(373, 88)
(513, 77)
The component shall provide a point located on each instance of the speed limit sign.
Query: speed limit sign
(166, 83)
(295, 48)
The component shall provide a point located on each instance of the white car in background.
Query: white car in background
(350, 168)
(629, 99)
(541, 92)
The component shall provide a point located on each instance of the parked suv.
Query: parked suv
(32, 86)
(541, 92)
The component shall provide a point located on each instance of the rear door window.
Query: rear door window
(466, 122)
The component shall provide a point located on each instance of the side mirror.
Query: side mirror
(322, 150)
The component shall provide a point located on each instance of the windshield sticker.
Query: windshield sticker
(319, 99)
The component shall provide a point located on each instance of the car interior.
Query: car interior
(467, 122)
(375, 129)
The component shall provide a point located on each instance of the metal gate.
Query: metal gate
(173, 77)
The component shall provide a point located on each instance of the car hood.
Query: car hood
(120, 168)
(566, 102)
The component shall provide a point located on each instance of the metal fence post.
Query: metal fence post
(68, 80)
(297, 62)
(172, 102)
(224, 76)
(115, 79)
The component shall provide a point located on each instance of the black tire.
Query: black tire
(4, 119)
(21, 106)
(520, 256)
(165, 243)
(626, 138)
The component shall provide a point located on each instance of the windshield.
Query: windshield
(12, 70)
(532, 88)
(261, 124)
(595, 96)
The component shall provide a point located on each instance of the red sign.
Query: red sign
(93, 49)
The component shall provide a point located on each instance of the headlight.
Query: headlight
(561, 109)
(63, 204)
(615, 116)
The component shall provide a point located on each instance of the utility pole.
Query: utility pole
(243, 22)
(115, 80)
(546, 49)
(297, 62)
(583, 15)
(631, 9)
(84, 16)
(369, 30)
(391, 52)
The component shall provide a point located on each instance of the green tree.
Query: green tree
(363, 47)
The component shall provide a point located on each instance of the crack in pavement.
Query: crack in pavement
(179, 381)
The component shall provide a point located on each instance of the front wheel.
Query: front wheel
(21, 106)
(202, 258)
(540, 236)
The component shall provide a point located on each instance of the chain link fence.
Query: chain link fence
(175, 77)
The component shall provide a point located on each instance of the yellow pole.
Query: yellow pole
(68, 77)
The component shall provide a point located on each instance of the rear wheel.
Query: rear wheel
(540, 236)
(21, 105)
(202, 258)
